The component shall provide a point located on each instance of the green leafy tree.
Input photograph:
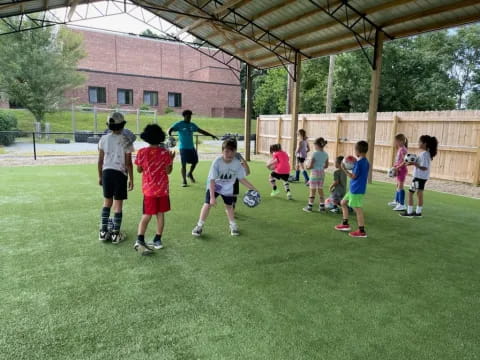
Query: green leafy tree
(37, 68)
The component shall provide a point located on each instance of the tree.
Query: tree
(37, 67)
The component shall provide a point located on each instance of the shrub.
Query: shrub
(168, 110)
(8, 122)
(144, 107)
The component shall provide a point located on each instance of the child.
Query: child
(421, 174)
(224, 171)
(114, 163)
(358, 187)
(339, 185)
(155, 164)
(401, 171)
(280, 163)
(317, 164)
(302, 151)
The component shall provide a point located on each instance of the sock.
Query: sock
(310, 201)
(345, 222)
(287, 186)
(409, 209)
(274, 184)
(397, 197)
(297, 175)
(233, 223)
(141, 238)
(158, 237)
(402, 197)
(419, 209)
(104, 216)
(322, 205)
(362, 229)
(201, 223)
(117, 221)
(305, 175)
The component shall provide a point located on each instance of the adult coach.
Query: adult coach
(188, 153)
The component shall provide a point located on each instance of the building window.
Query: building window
(150, 98)
(174, 99)
(124, 97)
(97, 95)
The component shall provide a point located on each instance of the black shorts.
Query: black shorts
(236, 188)
(189, 156)
(114, 184)
(228, 200)
(283, 177)
(417, 184)
(301, 160)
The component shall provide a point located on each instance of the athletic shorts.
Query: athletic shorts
(301, 160)
(188, 156)
(153, 205)
(417, 184)
(354, 200)
(316, 179)
(402, 174)
(336, 197)
(228, 200)
(283, 177)
(236, 188)
(114, 184)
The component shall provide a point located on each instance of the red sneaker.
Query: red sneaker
(342, 227)
(358, 234)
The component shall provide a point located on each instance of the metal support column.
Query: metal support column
(295, 103)
(248, 110)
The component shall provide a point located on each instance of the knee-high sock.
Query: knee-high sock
(305, 175)
(402, 197)
(274, 184)
(297, 175)
(104, 218)
(287, 186)
(117, 221)
(397, 197)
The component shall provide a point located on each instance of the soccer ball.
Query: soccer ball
(270, 166)
(349, 162)
(171, 142)
(251, 198)
(392, 172)
(410, 158)
(329, 204)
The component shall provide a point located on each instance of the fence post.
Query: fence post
(95, 121)
(73, 118)
(257, 128)
(337, 136)
(476, 174)
(279, 130)
(138, 121)
(34, 147)
(394, 132)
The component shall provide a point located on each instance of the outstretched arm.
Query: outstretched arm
(247, 184)
(206, 133)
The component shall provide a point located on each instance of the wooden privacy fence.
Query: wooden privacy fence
(458, 134)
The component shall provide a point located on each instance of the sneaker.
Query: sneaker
(289, 195)
(399, 207)
(234, 230)
(407, 215)
(358, 234)
(103, 235)
(197, 231)
(275, 192)
(190, 176)
(307, 183)
(184, 185)
(142, 248)
(416, 215)
(342, 227)
(157, 245)
(308, 209)
(335, 211)
(392, 203)
(117, 237)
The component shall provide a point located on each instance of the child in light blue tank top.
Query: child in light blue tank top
(318, 163)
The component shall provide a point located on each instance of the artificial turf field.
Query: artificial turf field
(290, 287)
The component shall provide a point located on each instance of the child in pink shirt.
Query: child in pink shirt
(280, 164)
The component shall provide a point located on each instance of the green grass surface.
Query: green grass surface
(290, 287)
(62, 121)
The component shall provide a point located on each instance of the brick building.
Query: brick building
(128, 71)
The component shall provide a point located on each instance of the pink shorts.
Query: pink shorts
(316, 179)
(402, 174)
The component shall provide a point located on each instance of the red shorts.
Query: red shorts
(153, 205)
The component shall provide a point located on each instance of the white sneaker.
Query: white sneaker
(392, 203)
(117, 237)
(197, 231)
(234, 230)
(289, 195)
(399, 207)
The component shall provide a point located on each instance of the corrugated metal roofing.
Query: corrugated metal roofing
(282, 27)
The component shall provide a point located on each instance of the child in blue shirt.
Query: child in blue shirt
(358, 187)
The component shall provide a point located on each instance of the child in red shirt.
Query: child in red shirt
(280, 164)
(155, 164)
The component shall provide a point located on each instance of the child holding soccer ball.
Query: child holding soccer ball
(317, 164)
(421, 173)
(338, 187)
(280, 164)
(401, 171)
(358, 187)
(221, 179)
(155, 164)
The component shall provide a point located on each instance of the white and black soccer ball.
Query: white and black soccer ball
(171, 142)
(392, 172)
(252, 198)
(411, 158)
